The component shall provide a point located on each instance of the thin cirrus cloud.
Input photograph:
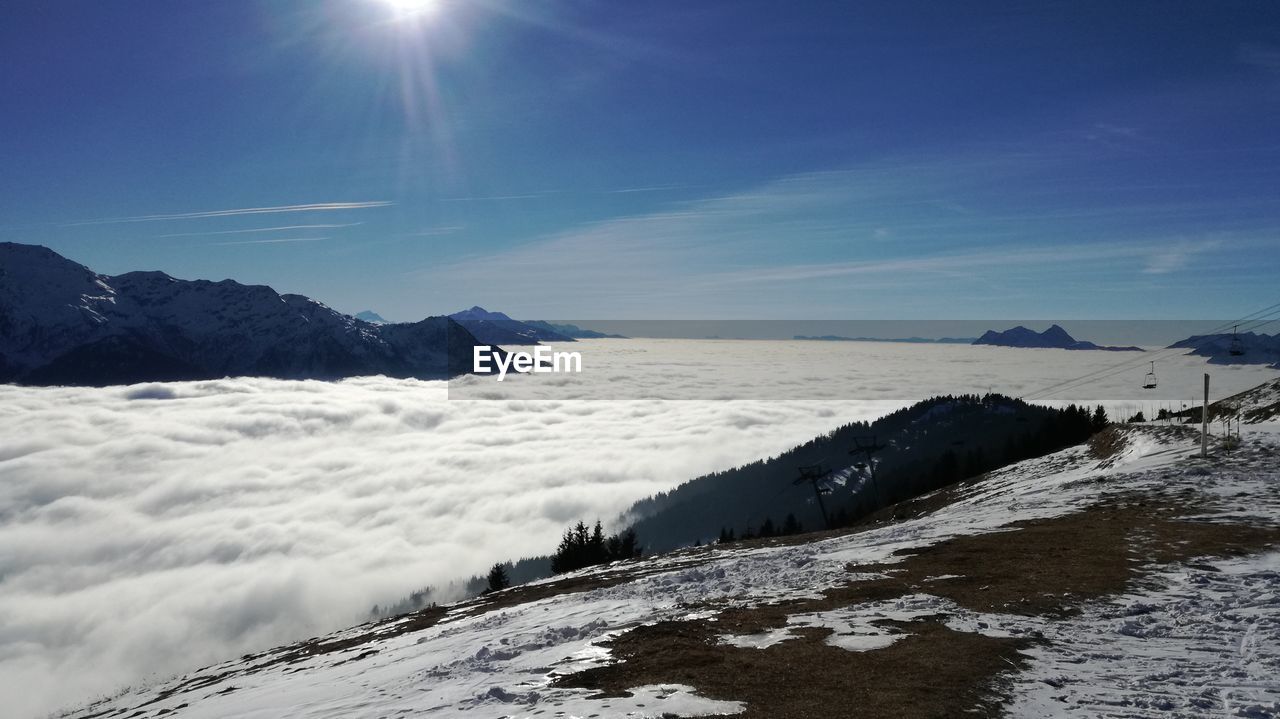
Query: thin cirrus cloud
(548, 193)
(651, 188)
(282, 240)
(1158, 260)
(1260, 55)
(434, 231)
(278, 209)
(1177, 256)
(895, 227)
(282, 228)
(499, 198)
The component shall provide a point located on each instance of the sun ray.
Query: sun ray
(412, 8)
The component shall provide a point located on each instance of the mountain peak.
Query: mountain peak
(29, 258)
(1053, 338)
(153, 275)
(479, 313)
(371, 317)
(498, 328)
(1057, 335)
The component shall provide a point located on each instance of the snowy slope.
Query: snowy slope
(48, 304)
(1254, 406)
(1197, 638)
(61, 323)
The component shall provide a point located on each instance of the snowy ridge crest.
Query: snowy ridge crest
(62, 323)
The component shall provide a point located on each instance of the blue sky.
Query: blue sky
(712, 159)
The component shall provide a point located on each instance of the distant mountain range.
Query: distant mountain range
(499, 328)
(64, 324)
(371, 317)
(1053, 338)
(913, 340)
(1256, 348)
(496, 328)
(573, 331)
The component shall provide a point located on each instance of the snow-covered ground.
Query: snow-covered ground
(1200, 639)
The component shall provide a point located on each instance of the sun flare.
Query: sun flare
(406, 8)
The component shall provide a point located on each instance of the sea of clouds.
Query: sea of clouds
(151, 529)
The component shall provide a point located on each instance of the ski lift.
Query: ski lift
(1150, 381)
(1237, 347)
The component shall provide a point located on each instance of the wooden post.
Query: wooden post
(1204, 419)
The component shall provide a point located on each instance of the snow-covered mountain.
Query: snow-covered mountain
(1116, 579)
(62, 323)
(476, 312)
(1053, 338)
(1257, 348)
(498, 329)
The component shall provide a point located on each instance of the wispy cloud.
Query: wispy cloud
(491, 198)
(653, 188)
(260, 229)
(267, 242)
(1115, 136)
(1266, 57)
(547, 193)
(279, 209)
(870, 239)
(434, 231)
(1156, 255)
(1176, 256)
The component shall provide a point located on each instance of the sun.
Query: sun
(407, 8)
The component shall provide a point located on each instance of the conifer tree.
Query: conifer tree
(791, 525)
(498, 579)
(1099, 421)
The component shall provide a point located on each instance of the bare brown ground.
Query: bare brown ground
(1049, 567)
(931, 671)
(1046, 568)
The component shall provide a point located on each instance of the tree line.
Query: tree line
(580, 547)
